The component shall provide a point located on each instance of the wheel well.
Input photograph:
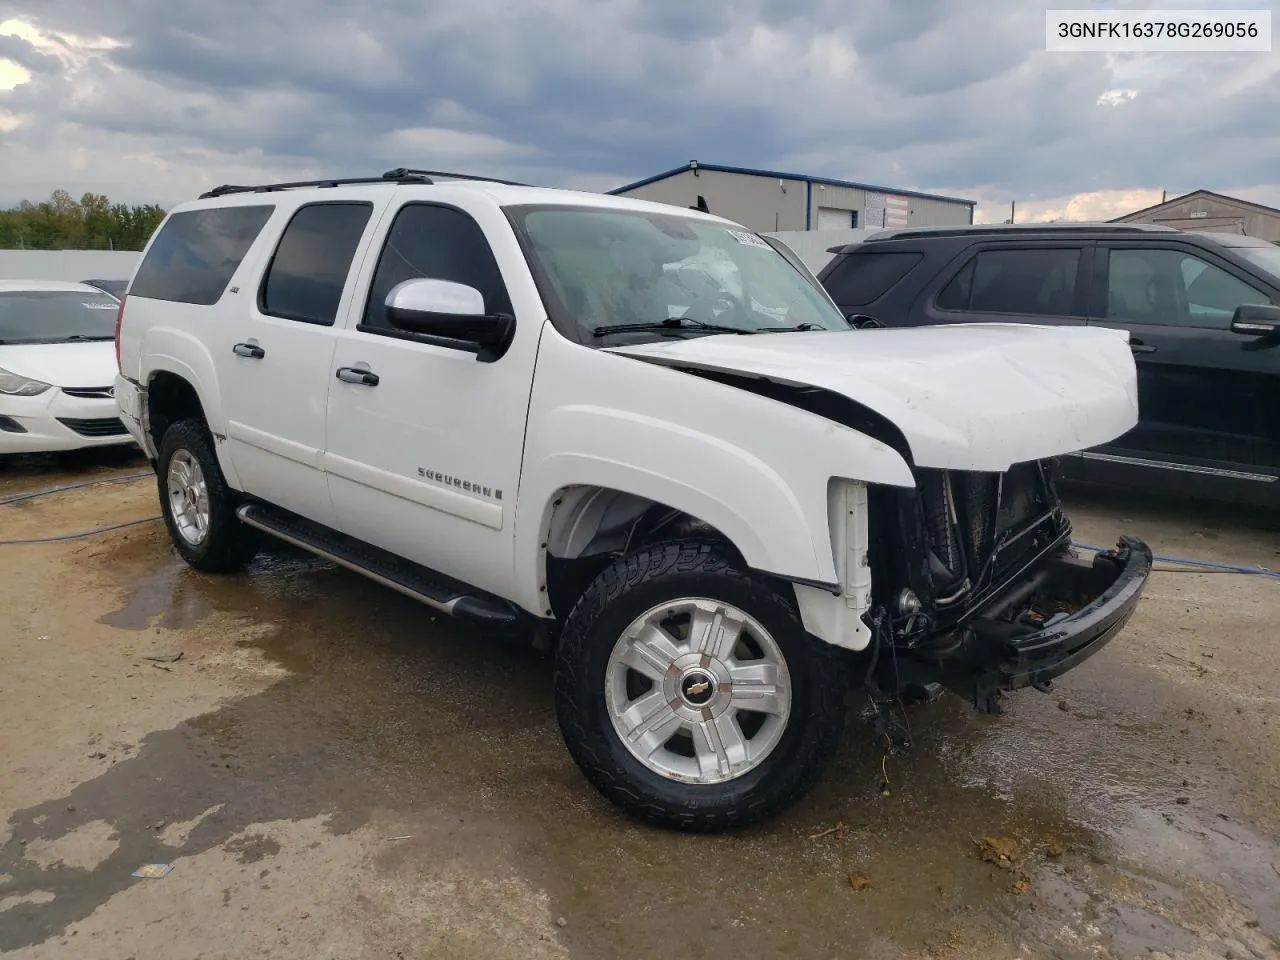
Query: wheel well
(170, 398)
(592, 526)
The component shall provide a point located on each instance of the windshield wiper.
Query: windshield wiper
(671, 323)
(85, 336)
(798, 327)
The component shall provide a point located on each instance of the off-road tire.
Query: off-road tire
(229, 544)
(626, 589)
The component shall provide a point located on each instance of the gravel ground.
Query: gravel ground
(334, 772)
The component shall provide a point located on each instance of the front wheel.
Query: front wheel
(689, 693)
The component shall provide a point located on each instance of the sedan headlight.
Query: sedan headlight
(19, 386)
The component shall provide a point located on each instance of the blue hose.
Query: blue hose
(1207, 564)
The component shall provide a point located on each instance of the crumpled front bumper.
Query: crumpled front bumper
(1067, 642)
(1091, 601)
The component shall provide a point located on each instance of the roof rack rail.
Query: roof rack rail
(995, 229)
(402, 172)
(391, 176)
(400, 175)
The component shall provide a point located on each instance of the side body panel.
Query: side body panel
(276, 374)
(426, 463)
(756, 469)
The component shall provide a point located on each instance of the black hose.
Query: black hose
(1204, 566)
(50, 491)
(78, 536)
(63, 488)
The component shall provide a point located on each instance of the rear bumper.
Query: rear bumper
(130, 405)
(1066, 643)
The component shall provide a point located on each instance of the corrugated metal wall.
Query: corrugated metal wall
(924, 211)
(755, 202)
(837, 198)
(766, 205)
(1214, 214)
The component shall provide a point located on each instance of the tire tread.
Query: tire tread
(230, 544)
(590, 752)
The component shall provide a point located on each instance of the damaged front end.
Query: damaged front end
(977, 586)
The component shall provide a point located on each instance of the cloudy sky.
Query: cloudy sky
(155, 100)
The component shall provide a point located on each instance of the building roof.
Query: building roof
(1198, 193)
(776, 175)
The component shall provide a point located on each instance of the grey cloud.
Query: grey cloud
(25, 55)
(935, 94)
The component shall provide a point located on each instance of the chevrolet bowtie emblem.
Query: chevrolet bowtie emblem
(700, 687)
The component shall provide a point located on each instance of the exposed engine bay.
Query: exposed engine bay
(974, 572)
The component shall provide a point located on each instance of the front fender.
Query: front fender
(757, 469)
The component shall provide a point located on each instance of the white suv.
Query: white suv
(642, 434)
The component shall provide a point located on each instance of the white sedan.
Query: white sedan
(57, 364)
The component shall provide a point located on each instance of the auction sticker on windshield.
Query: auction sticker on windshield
(749, 239)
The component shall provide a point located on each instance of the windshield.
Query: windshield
(1268, 258)
(611, 269)
(53, 316)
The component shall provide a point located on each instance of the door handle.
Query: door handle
(250, 350)
(352, 375)
(1137, 346)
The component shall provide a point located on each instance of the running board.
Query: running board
(411, 579)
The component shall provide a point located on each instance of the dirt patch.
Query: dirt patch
(252, 847)
(328, 770)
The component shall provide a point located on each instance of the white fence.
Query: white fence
(811, 245)
(67, 264)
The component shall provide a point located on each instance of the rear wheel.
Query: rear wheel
(689, 693)
(197, 504)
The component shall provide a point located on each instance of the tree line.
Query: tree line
(91, 223)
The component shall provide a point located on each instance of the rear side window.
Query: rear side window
(309, 269)
(437, 243)
(196, 253)
(1039, 282)
(862, 278)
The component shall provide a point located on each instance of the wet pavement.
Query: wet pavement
(332, 769)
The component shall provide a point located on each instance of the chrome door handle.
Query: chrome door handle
(352, 375)
(250, 350)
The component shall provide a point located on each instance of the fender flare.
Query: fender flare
(159, 356)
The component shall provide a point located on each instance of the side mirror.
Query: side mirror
(1256, 320)
(450, 311)
(860, 321)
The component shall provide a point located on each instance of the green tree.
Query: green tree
(91, 223)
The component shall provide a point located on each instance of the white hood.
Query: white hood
(965, 396)
(86, 364)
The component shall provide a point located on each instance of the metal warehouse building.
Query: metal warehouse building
(1213, 213)
(769, 201)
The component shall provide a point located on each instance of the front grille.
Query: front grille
(974, 522)
(96, 427)
(88, 393)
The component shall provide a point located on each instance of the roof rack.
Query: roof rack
(400, 175)
(1017, 228)
(403, 172)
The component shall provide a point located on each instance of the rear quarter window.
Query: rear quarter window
(865, 277)
(196, 253)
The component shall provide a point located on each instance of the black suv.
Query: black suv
(1202, 311)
